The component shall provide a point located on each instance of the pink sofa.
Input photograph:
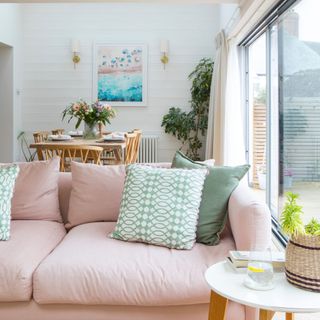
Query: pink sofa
(49, 274)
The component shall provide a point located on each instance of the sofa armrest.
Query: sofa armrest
(250, 220)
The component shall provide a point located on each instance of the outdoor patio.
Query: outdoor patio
(309, 193)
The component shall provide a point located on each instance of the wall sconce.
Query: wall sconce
(76, 52)
(164, 49)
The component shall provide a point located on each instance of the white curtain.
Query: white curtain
(234, 142)
(225, 138)
(216, 116)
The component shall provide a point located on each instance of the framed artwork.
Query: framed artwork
(120, 74)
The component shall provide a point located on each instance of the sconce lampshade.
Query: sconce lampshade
(76, 52)
(164, 46)
(75, 46)
(164, 49)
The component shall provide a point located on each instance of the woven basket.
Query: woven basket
(303, 262)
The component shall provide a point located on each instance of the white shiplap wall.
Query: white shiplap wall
(50, 81)
(10, 103)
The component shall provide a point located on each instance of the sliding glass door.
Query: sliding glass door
(283, 105)
(257, 114)
(299, 47)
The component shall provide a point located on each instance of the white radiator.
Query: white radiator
(148, 151)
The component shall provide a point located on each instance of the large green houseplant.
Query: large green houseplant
(190, 127)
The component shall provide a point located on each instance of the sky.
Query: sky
(309, 22)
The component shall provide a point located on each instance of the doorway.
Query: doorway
(6, 103)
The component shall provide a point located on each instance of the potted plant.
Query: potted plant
(303, 249)
(28, 155)
(93, 115)
(190, 127)
(287, 178)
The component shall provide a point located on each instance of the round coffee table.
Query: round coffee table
(227, 284)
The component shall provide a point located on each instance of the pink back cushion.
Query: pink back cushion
(36, 191)
(96, 193)
(65, 186)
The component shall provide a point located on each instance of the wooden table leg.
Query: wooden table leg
(117, 155)
(289, 316)
(40, 154)
(218, 306)
(266, 314)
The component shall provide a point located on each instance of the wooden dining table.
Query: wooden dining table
(117, 147)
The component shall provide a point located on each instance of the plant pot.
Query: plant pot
(90, 131)
(287, 181)
(302, 262)
(262, 180)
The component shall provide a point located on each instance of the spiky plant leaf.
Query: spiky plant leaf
(291, 221)
(313, 227)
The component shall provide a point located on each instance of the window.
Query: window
(257, 114)
(283, 106)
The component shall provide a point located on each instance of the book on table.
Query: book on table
(240, 259)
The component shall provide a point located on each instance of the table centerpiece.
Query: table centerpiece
(94, 115)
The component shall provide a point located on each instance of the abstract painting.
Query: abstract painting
(121, 74)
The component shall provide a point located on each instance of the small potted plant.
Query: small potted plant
(303, 249)
(287, 178)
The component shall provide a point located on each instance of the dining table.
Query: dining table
(116, 146)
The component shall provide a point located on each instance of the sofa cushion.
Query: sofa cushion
(90, 268)
(36, 191)
(8, 176)
(218, 186)
(96, 193)
(160, 206)
(29, 244)
(65, 187)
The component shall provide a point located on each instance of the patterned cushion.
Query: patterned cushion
(8, 176)
(160, 206)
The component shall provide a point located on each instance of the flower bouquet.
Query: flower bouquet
(91, 114)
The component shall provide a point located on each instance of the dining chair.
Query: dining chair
(80, 153)
(57, 132)
(137, 144)
(130, 147)
(133, 140)
(40, 136)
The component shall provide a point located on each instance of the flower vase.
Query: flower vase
(100, 126)
(90, 131)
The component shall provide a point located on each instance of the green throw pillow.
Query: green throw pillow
(160, 206)
(8, 176)
(218, 186)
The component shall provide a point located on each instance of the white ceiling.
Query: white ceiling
(132, 1)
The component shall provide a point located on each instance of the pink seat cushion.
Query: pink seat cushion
(90, 268)
(36, 191)
(96, 193)
(30, 243)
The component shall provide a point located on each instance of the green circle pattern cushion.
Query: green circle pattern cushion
(8, 176)
(160, 206)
